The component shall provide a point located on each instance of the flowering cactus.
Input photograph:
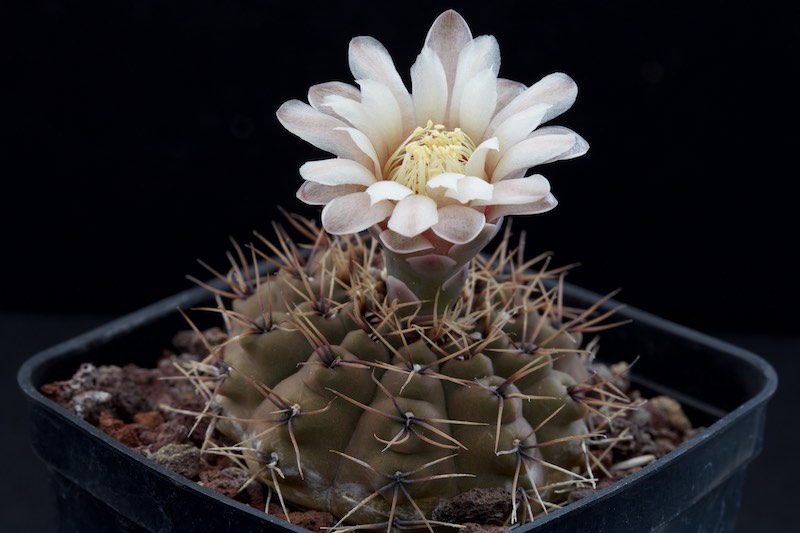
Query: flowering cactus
(431, 173)
(389, 366)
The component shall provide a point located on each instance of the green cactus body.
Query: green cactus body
(342, 401)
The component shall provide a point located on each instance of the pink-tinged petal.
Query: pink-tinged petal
(478, 100)
(413, 214)
(545, 204)
(362, 142)
(458, 224)
(353, 213)
(369, 60)
(388, 190)
(400, 290)
(317, 194)
(398, 244)
(384, 118)
(507, 90)
(476, 166)
(462, 253)
(580, 147)
(318, 93)
(537, 149)
(557, 90)
(320, 130)
(460, 187)
(447, 36)
(337, 172)
(514, 129)
(429, 88)
(480, 54)
(519, 191)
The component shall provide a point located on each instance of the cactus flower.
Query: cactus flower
(431, 172)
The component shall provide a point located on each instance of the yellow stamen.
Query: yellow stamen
(426, 153)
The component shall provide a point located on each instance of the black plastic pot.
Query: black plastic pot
(103, 485)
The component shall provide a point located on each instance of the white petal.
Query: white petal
(353, 213)
(557, 90)
(317, 194)
(478, 100)
(519, 191)
(507, 90)
(537, 149)
(429, 88)
(480, 54)
(476, 166)
(460, 187)
(320, 130)
(447, 36)
(516, 128)
(413, 215)
(462, 253)
(383, 114)
(370, 60)
(363, 143)
(580, 147)
(398, 244)
(545, 204)
(458, 224)
(388, 190)
(337, 172)
(317, 94)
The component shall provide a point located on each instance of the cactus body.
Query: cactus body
(345, 401)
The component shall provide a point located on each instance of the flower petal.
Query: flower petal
(507, 90)
(480, 54)
(462, 188)
(557, 90)
(320, 130)
(317, 94)
(545, 204)
(429, 87)
(413, 214)
(458, 224)
(370, 60)
(539, 148)
(476, 166)
(337, 172)
(353, 213)
(314, 193)
(516, 128)
(447, 36)
(399, 244)
(362, 142)
(388, 190)
(518, 191)
(478, 100)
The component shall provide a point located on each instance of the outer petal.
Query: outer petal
(320, 130)
(353, 213)
(404, 245)
(317, 94)
(317, 194)
(458, 224)
(370, 60)
(516, 128)
(557, 90)
(538, 149)
(413, 214)
(462, 188)
(429, 88)
(507, 90)
(545, 204)
(363, 143)
(388, 190)
(518, 191)
(337, 172)
(447, 36)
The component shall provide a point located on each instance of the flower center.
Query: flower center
(428, 152)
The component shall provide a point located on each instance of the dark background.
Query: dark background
(139, 135)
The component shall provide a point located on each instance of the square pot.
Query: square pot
(102, 484)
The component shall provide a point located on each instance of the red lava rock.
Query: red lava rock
(170, 432)
(183, 459)
(119, 430)
(483, 506)
(148, 419)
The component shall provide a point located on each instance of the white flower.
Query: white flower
(432, 171)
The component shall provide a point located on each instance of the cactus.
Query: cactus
(384, 364)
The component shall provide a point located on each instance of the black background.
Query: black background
(141, 135)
